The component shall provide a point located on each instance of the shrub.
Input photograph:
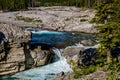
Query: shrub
(27, 19)
(83, 20)
(67, 19)
(38, 21)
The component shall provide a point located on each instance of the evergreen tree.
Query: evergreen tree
(13, 4)
(109, 35)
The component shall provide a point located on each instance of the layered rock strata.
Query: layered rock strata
(15, 52)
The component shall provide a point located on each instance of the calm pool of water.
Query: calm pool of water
(54, 37)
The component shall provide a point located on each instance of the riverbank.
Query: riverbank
(59, 18)
(14, 40)
(16, 53)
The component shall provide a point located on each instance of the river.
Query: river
(59, 65)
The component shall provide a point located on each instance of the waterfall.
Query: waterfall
(60, 65)
(57, 53)
(48, 71)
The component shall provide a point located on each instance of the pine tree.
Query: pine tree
(109, 32)
(109, 37)
(13, 4)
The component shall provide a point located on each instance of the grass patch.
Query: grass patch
(38, 21)
(112, 70)
(67, 19)
(26, 19)
(92, 20)
(80, 71)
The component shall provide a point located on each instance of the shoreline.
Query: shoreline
(66, 19)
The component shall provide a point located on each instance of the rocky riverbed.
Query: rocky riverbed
(15, 52)
(60, 18)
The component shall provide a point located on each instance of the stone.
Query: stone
(72, 53)
(63, 76)
(97, 75)
(15, 52)
(87, 42)
(87, 56)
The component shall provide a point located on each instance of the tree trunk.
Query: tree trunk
(33, 3)
(89, 4)
(108, 56)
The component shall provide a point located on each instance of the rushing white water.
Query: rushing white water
(60, 65)
(46, 32)
(48, 71)
(57, 54)
(86, 47)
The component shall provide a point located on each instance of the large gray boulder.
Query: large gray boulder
(72, 53)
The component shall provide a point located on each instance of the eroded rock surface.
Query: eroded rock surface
(16, 54)
(72, 53)
(60, 18)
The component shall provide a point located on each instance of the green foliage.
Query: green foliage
(38, 21)
(27, 19)
(79, 71)
(108, 11)
(67, 19)
(88, 70)
(100, 60)
(109, 34)
(77, 3)
(109, 38)
(23, 4)
(13, 4)
(114, 71)
(77, 75)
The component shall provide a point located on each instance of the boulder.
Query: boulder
(87, 57)
(63, 76)
(72, 53)
(14, 34)
(18, 60)
(15, 52)
(97, 75)
(87, 42)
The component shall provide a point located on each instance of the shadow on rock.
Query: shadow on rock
(29, 61)
(116, 53)
(87, 57)
(2, 36)
(4, 47)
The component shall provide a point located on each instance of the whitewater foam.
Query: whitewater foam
(46, 72)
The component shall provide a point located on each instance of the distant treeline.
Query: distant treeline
(78, 3)
(24, 4)
(14, 4)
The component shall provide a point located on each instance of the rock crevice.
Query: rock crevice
(16, 54)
